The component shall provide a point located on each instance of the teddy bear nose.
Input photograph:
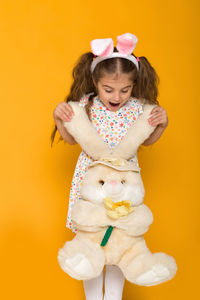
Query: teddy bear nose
(113, 182)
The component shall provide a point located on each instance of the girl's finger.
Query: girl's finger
(155, 109)
(155, 115)
(68, 108)
(58, 113)
(157, 121)
(67, 119)
(63, 115)
(67, 113)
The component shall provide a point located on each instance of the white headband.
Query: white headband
(103, 49)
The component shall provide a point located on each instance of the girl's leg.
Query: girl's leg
(94, 288)
(114, 283)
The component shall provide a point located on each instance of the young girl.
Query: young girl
(109, 81)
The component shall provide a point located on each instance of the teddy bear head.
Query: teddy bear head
(102, 181)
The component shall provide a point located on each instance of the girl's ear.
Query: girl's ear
(94, 82)
(95, 85)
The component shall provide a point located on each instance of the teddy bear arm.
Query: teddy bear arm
(136, 223)
(86, 214)
(87, 228)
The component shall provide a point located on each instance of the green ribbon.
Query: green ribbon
(106, 236)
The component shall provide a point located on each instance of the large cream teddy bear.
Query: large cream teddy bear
(111, 217)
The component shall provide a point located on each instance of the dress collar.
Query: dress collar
(98, 102)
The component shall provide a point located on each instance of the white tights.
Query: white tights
(114, 283)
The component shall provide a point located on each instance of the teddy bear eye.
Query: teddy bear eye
(123, 181)
(101, 182)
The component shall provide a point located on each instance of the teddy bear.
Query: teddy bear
(111, 217)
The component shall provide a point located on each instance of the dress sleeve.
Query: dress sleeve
(84, 100)
(140, 110)
(140, 106)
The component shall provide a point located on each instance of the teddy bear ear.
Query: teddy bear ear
(136, 135)
(85, 134)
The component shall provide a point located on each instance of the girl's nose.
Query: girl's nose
(113, 182)
(116, 96)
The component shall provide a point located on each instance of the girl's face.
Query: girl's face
(114, 92)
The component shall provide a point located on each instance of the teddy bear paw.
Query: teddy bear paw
(79, 264)
(157, 274)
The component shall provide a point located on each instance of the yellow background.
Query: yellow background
(40, 43)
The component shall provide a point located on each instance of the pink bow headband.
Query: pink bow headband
(103, 49)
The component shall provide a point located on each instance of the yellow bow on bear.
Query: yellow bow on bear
(116, 210)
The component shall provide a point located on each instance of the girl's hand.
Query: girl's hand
(158, 117)
(63, 111)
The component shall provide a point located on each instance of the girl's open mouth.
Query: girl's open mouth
(114, 104)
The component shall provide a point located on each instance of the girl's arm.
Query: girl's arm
(158, 118)
(64, 112)
(154, 136)
(64, 133)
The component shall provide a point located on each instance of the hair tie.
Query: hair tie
(138, 59)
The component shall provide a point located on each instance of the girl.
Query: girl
(110, 82)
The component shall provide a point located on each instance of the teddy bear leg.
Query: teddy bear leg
(81, 259)
(149, 269)
(142, 267)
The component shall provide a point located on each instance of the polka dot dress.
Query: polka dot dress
(112, 127)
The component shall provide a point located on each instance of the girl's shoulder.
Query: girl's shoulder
(140, 103)
(136, 104)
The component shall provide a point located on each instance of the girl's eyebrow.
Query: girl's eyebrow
(122, 88)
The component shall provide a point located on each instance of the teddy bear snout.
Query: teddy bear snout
(113, 182)
(113, 187)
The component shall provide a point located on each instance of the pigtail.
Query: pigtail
(147, 82)
(82, 76)
(82, 85)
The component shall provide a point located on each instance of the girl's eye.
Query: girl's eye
(124, 92)
(101, 182)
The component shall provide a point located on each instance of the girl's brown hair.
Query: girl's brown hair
(145, 80)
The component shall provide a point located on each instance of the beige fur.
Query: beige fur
(83, 258)
(87, 137)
